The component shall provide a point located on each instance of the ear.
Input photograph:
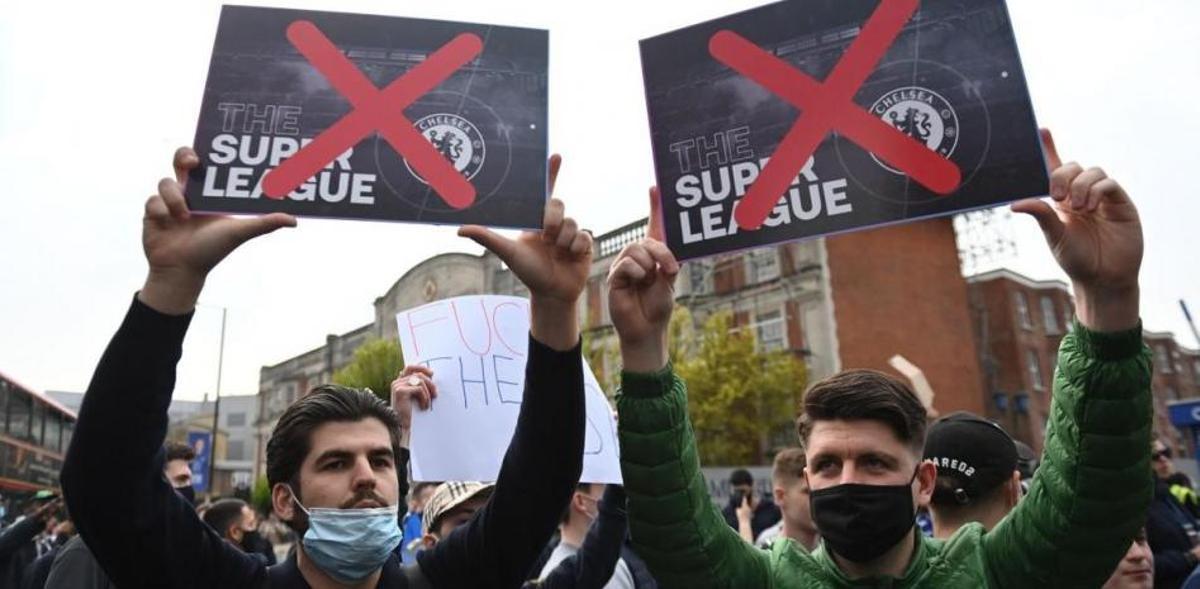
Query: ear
(1014, 489)
(428, 541)
(234, 533)
(282, 503)
(926, 478)
(779, 492)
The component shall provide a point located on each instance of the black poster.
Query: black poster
(368, 117)
(809, 117)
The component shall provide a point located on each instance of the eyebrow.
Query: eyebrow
(343, 454)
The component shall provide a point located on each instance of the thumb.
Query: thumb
(503, 247)
(247, 229)
(1043, 213)
(655, 230)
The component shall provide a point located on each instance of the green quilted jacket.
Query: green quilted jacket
(1084, 506)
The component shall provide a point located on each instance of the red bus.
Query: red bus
(34, 433)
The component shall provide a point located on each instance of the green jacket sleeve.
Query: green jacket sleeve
(676, 528)
(1091, 492)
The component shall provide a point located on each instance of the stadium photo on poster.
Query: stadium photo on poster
(806, 118)
(370, 117)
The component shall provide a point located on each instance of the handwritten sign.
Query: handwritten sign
(477, 347)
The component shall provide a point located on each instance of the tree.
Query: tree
(260, 496)
(375, 365)
(739, 398)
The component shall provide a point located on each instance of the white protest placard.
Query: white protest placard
(477, 347)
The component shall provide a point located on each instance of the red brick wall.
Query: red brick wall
(899, 290)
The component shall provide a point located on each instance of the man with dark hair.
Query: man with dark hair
(234, 521)
(177, 467)
(335, 459)
(791, 493)
(977, 476)
(763, 513)
(863, 434)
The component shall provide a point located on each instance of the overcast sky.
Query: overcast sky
(94, 98)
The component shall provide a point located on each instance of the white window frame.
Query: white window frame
(1049, 314)
(771, 319)
(1033, 366)
(1024, 319)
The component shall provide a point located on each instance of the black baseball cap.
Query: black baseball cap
(973, 456)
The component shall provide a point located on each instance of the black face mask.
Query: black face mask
(188, 493)
(861, 522)
(250, 540)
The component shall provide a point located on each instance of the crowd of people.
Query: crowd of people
(845, 503)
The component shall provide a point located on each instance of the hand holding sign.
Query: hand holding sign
(413, 383)
(553, 264)
(641, 296)
(1095, 234)
(181, 249)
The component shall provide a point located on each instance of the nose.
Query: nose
(850, 474)
(364, 475)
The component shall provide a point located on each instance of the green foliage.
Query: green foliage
(375, 365)
(260, 496)
(739, 398)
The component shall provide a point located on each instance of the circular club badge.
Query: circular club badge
(921, 114)
(457, 139)
(937, 107)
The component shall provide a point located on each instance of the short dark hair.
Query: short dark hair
(291, 440)
(740, 477)
(789, 466)
(581, 488)
(180, 451)
(865, 394)
(224, 513)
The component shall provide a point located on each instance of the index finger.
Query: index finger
(185, 160)
(655, 230)
(555, 164)
(1052, 160)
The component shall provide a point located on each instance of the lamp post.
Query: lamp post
(212, 459)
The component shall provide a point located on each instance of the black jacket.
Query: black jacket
(766, 514)
(1167, 526)
(145, 534)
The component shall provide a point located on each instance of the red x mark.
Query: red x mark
(828, 106)
(374, 110)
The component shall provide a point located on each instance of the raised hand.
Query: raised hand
(182, 248)
(641, 296)
(1095, 234)
(414, 383)
(553, 263)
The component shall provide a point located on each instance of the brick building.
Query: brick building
(1019, 324)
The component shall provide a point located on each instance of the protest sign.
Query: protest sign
(477, 347)
(201, 443)
(805, 118)
(368, 117)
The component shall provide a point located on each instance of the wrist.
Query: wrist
(645, 356)
(171, 293)
(1107, 309)
(553, 322)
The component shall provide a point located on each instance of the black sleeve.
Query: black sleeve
(139, 529)
(539, 473)
(593, 565)
(18, 535)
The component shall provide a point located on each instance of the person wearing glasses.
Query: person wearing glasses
(1170, 529)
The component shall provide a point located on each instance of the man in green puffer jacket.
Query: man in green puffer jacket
(863, 432)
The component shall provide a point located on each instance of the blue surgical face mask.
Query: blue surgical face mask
(350, 544)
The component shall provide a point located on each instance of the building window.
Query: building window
(771, 331)
(235, 420)
(235, 450)
(764, 265)
(1049, 318)
(1068, 316)
(1022, 403)
(4, 395)
(19, 418)
(1023, 316)
(1000, 400)
(1162, 357)
(1035, 369)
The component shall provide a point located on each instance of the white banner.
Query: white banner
(477, 347)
